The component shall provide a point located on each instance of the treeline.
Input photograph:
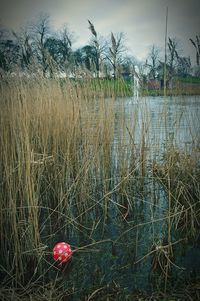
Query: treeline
(37, 49)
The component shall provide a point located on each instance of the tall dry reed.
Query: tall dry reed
(67, 158)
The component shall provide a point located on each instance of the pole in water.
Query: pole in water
(165, 64)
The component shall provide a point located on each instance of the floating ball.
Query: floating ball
(62, 252)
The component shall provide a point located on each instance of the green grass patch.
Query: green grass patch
(105, 87)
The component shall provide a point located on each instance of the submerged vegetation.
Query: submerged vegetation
(77, 166)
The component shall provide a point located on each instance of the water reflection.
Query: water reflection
(134, 220)
(178, 115)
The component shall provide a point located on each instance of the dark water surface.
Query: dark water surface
(134, 221)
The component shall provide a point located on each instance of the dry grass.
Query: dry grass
(61, 166)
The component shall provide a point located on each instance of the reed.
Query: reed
(70, 165)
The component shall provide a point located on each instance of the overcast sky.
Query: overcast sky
(143, 21)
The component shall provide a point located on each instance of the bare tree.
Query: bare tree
(184, 66)
(25, 47)
(196, 44)
(41, 32)
(66, 38)
(153, 62)
(59, 48)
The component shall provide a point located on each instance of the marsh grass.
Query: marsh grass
(70, 165)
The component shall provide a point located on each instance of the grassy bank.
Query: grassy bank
(76, 169)
(102, 87)
(180, 86)
(122, 88)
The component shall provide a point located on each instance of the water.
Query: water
(135, 223)
(177, 117)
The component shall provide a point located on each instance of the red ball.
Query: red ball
(62, 252)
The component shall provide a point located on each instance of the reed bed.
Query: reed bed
(71, 168)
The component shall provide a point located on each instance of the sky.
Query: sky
(142, 21)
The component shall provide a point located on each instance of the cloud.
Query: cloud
(143, 21)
